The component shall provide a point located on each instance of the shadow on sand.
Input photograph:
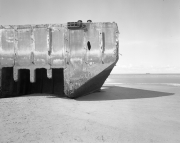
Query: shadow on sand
(109, 93)
(119, 93)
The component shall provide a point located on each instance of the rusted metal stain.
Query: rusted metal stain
(83, 53)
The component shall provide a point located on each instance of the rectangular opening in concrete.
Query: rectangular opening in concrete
(23, 86)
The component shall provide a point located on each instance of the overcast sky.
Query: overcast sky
(149, 29)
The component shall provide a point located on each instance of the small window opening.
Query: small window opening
(89, 45)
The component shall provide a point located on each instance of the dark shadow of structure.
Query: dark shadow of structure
(109, 93)
(120, 93)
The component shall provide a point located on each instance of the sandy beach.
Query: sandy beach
(126, 113)
(71, 47)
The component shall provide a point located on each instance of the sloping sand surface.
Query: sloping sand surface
(116, 114)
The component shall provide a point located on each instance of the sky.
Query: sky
(149, 39)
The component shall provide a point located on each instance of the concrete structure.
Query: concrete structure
(72, 59)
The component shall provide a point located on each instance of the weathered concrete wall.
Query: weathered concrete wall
(82, 53)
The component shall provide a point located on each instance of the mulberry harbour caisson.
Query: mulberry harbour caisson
(73, 59)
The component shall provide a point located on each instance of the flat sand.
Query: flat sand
(127, 113)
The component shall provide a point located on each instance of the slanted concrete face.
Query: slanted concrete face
(85, 54)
